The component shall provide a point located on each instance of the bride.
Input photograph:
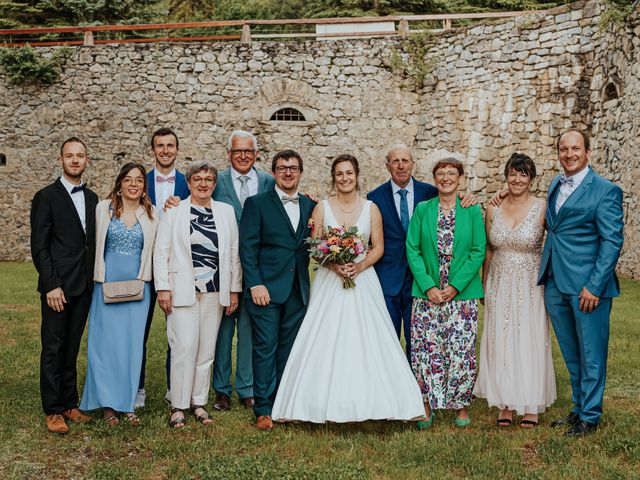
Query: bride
(346, 364)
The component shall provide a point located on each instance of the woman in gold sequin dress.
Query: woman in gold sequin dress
(516, 369)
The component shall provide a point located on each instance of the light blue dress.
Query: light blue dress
(116, 330)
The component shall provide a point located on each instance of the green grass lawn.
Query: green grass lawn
(232, 448)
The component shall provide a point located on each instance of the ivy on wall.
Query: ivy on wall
(25, 66)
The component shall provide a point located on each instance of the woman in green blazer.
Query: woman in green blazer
(445, 249)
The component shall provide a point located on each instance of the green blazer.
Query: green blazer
(469, 248)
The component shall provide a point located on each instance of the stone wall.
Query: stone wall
(488, 90)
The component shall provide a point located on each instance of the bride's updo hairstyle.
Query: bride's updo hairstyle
(345, 157)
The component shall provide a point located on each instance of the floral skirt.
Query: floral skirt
(443, 351)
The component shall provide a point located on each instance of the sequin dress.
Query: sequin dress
(516, 369)
(443, 337)
(116, 330)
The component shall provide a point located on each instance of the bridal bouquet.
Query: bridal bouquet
(337, 245)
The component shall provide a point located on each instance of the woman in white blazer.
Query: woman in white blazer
(197, 273)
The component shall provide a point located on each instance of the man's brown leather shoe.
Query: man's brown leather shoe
(264, 422)
(56, 423)
(76, 416)
(247, 402)
(222, 403)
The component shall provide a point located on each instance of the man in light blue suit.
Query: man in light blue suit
(235, 184)
(584, 238)
(163, 182)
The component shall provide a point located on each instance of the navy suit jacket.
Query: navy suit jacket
(393, 267)
(179, 188)
(271, 251)
(584, 238)
(226, 193)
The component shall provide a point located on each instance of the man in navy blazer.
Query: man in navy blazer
(584, 238)
(164, 181)
(235, 184)
(396, 200)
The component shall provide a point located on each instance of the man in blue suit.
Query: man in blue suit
(235, 184)
(163, 182)
(396, 200)
(584, 238)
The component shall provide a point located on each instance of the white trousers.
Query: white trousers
(192, 332)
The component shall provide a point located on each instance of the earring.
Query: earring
(119, 194)
(143, 194)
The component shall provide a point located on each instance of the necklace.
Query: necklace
(347, 211)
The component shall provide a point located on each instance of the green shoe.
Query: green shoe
(424, 424)
(462, 422)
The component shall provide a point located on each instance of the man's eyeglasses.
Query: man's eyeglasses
(291, 168)
(245, 152)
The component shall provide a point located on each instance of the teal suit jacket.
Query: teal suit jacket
(584, 238)
(271, 251)
(226, 193)
(469, 249)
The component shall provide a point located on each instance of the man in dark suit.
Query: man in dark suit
(275, 263)
(164, 181)
(584, 239)
(396, 200)
(235, 184)
(63, 252)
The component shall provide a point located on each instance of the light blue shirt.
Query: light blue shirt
(410, 195)
(566, 190)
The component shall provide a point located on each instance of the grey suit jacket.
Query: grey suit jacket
(225, 192)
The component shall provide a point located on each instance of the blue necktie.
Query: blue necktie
(404, 209)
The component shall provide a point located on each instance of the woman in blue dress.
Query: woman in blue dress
(126, 226)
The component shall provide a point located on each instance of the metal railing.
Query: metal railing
(242, 30)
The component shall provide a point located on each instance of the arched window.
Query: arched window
(288, 114)
(610, 92)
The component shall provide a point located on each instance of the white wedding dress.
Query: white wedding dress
(346, 364)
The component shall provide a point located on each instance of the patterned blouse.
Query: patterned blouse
(204, 250)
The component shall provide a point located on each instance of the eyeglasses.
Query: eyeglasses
(241, 151)
(206, 180)
(448, 173)
(130, 180)
(291, 168)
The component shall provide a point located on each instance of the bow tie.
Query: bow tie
(160, 179)
(564, 180)
(293, 199)
(79, 188)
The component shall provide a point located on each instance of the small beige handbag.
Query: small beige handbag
(127, 291)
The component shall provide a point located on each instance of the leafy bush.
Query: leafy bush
(26, 66)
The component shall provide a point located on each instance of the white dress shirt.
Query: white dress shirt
(396, 197)
(566, 190)
(163, 190)
(292, 209)
(252, 184)
(78, 201)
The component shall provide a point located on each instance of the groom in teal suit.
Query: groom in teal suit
(584, 237)
(275, 264)
(235, 184)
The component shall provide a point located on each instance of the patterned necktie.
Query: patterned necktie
(404, 209)
(564, 180)
(293, 199)
(161, 179)
(79, 188)
(244, 188)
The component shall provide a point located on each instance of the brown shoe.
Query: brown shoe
(76, 416)
(247, 402)
(56, 424)
(263, 422)
(222, 403)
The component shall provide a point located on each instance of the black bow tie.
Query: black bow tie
(79, 188)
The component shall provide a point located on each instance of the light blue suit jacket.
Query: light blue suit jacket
(584, 238)
(225, 192)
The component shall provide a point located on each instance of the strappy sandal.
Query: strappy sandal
(179, 421)
(132, 419)
(112, 420)
(203, 417)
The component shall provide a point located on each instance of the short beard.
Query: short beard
(71, 175)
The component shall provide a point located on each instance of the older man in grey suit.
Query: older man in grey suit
(235, 184)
